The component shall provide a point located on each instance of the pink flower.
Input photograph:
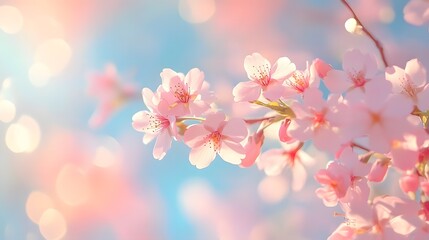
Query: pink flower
(314, 121)
(253, 148)
(274, 161)
(182, 95)
(336, 181)
(322, 68)
(301, 80)
(358, 69)
(216, 135)
(110, 93)
(263, 78)
(417, 12)
(377, 114)
(154, 123)
(378, 170)
(411, 82)
(409, 183)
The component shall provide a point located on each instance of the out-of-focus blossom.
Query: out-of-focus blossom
(264, 78)
(274, 161)
(416, 12)
(216, 135)
(253, 149)
(411, 82)
(111, 93)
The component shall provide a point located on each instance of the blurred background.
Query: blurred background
(72, 167)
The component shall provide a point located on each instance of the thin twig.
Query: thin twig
(365, 30)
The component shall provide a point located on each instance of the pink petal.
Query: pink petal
(214, 121)
(194, 135)
(194, 80)
(395, 75)
(246, 91)
(404, 159)
(423, 99)
(272, 162)
(321, 67)
(355, 61)
(162, 145)
(235, 129)
(252, 149)
(343, 232)
(141, 120)
(378, 171)
(409, 183)
(202, 156)
(283, 135)
(255, 64)
(416, 71)
(274, 91)
(167, 75)
(336, 81)
(148, 99)
(299, 175)
(282, 69)
(232, 152)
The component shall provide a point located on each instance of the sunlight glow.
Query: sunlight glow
(7, 111)
(72, 185)
(37, 203)
(23, 136)
(52, 224)
(11, 20)
(55, 54)
(197, 11)
(39, 74)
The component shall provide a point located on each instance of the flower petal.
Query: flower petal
(202, 156)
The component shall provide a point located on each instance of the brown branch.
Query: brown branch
(365, 30)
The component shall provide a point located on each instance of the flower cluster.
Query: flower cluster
(371, 120)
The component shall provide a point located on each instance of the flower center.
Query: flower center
(213, 140)
(157, 123)
(358, 79)
(181, 93)
(298, 81)
(262, 73)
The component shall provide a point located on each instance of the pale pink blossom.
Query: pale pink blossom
(154, 123)
(405, 154)
(336, 181)
(322, 68)
(314, 120)
(358, 69)
(253, 149)
(409, 183)
(301, 81)
(378, 115)
(274, 161)
(378, 170)
(416, 12)
(263, 78)
(343, 232)
(216, 135)
(411, 82)
(183, 95)
(110, 92)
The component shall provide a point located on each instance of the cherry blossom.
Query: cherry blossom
(274, 161)
(411, 82)
(110, 92)
(358, 69)
(154, 123)
(182, 95)
(301, 80)
(416, 12)
(264, 78)
(216, 135)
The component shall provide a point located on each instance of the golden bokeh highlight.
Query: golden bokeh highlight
(39, 74)
(37, 203)
(55, 54)
(52, 225)
(23, 136)
(7, 111)
(197, 11)
(11, 19)
(72, 186)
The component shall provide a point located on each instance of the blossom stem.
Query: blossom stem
(368, 33)
(257, 120)
(353, 144)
